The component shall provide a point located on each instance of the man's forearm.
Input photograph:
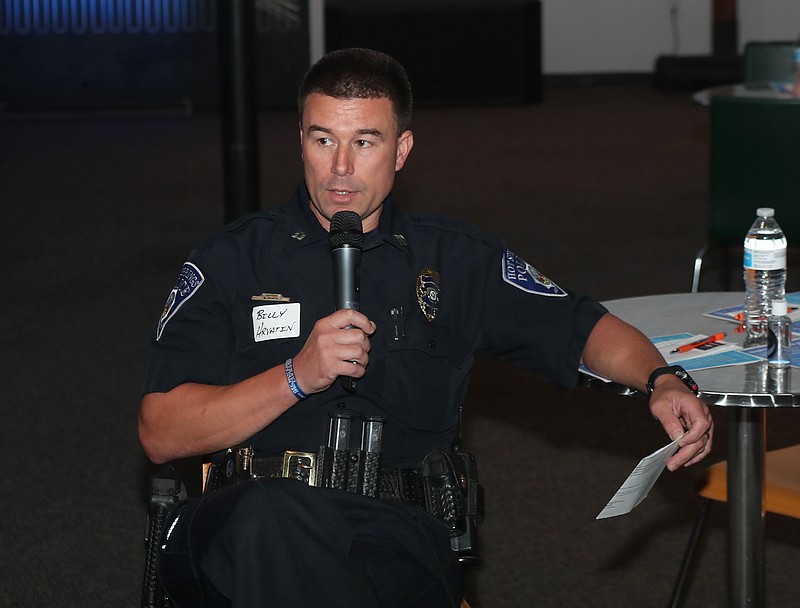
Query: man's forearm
(621, 352)
(194, 419)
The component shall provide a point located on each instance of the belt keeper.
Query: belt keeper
(288, 367)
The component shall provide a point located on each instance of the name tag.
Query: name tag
(275, 321)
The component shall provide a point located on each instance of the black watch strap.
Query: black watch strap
(673, 370)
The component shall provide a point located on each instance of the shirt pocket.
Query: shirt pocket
(425, 377)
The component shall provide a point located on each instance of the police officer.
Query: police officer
(248, 352)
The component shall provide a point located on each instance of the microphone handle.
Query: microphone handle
(346, 271)
(346, 264)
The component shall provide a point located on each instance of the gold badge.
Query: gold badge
(428, 289)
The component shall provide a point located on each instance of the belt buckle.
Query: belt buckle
(301, 466)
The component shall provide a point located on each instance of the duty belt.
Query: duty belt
(446, 485)
(402, 485)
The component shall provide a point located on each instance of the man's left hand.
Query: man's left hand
(680, 412)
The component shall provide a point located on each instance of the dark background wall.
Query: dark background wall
(89, 54)
(477, 52)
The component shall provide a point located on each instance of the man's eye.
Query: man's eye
(363, 143)
(324, 141)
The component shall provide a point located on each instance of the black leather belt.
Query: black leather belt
(402, 485)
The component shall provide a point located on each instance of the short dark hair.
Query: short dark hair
(360, 74)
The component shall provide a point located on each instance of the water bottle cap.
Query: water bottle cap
(779, 308)
(765, 212)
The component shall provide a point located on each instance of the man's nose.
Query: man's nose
(342, 162)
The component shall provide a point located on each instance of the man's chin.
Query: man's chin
(325, 213)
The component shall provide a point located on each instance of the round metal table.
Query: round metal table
(753, 89)
(746, 391)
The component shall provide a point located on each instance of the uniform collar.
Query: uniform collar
(303, 228)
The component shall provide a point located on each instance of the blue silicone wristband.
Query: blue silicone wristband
(288, 367)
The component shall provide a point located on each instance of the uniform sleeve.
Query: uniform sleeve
(531, 320)
(194, 336)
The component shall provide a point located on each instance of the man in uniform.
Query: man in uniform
(249, 353)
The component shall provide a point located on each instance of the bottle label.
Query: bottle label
(774, 259)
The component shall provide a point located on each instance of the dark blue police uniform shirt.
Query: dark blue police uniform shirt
(459, 289)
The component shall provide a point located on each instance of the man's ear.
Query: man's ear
(404, 144)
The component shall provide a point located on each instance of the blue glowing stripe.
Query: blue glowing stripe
(22, 17)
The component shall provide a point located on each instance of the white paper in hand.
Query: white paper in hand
(639, 482)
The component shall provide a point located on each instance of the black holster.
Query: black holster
(453, 494)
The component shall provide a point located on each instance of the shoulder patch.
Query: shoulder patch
(520, 274)
(189, 281)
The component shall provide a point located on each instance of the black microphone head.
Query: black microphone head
(346, 230)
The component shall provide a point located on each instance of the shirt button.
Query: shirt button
(431, 344)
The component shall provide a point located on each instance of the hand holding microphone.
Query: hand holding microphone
(329, 352)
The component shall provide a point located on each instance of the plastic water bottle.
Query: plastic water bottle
(764, 273)
(779, 336)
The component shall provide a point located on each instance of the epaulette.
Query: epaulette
(245, 222)
(447, 223)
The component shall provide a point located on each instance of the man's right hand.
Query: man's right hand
(338, 346)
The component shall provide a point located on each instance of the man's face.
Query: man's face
(351, 151)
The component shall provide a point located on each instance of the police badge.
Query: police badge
(428, 288)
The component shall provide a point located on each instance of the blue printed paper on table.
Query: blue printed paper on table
(714, 354)
(735, 314)
(761, 351)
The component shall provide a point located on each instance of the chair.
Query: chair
(754, 162)
(781, 495)
(767, 61)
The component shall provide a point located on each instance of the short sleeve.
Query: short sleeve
(194, 337)
(530, 319)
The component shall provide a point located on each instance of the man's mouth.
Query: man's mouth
(341, 194)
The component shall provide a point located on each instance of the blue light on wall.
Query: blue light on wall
(48, 17)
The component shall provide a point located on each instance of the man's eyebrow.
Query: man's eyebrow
(319, 128)
(374, 132)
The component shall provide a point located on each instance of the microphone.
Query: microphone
(346, 238)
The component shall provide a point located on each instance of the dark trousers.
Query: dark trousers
(278, 542)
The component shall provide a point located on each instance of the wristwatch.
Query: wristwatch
(674, 370)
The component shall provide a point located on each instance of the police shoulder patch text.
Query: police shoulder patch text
(189, 281)
(520, 274)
